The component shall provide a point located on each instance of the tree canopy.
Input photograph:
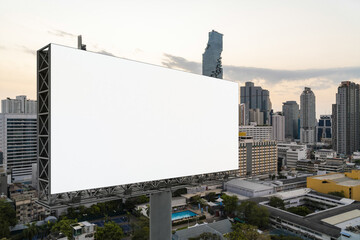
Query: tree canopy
(301, 210)
(141, 229)
(7, 218)
(211, 197)
(31, 231)
(254, 214)
(64, 227)
(110, 231)
(277, 202)
(242, 231)
(230, 204)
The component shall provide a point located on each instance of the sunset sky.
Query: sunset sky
(281, 45)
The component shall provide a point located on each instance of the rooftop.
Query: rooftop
(339, 178)
(342, 217)
(248, 185)
(219, 228)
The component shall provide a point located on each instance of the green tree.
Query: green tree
(230, 204)
(277, 202)
(179, 192)
(7, 218)
(301, 210)
(31, 231)
(64, 226)
(338, 194)
(4, 229)
(254, 214)
(211, 197)
(243, 231)
(141, 229)
(7, 213)
(110, 231)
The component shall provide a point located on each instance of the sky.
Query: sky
(280, 45)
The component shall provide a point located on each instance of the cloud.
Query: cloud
(27, 50)
(181, 63)
(283, 85)
(276, 76)
(61, 33)
(316, 78)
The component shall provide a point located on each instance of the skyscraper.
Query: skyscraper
(18, 137)
(290, 111)
(348, 118)
(278, 127)
(256, 98)
(334, 127)
(211, 64)
(324, 129)
(307, 116)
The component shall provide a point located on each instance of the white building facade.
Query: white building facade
(290, 153)
(259, 133)
(18, 137)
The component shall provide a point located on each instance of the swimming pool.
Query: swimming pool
(183, 214)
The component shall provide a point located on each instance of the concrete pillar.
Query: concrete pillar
(160, 215)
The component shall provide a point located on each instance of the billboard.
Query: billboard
(115, 121)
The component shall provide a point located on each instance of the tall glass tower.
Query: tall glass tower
(291, 113)
(211, 64)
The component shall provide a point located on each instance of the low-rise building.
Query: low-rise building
(348, 183)
(219, 228)
(25, 197)
(83, 231)
(248, 188)
(282, 185)
(325, 154)
(328, 222)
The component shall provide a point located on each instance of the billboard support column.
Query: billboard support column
(160, 215)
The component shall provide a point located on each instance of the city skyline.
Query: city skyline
(280, 46)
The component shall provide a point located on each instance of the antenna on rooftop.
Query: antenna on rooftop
(80, 45)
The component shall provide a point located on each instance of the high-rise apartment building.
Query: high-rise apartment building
(255, 116)
(307, 117)
(211, 64)
(19, 105)
(278, 127)
(291, 113)
(255, 97)
(18, 137)
(334, 127)
(242, 115)
(324, 129)
(348, 118)
(257, 157)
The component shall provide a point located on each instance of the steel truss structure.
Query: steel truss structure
(53, 201)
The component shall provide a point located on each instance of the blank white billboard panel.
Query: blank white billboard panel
(116, 121)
